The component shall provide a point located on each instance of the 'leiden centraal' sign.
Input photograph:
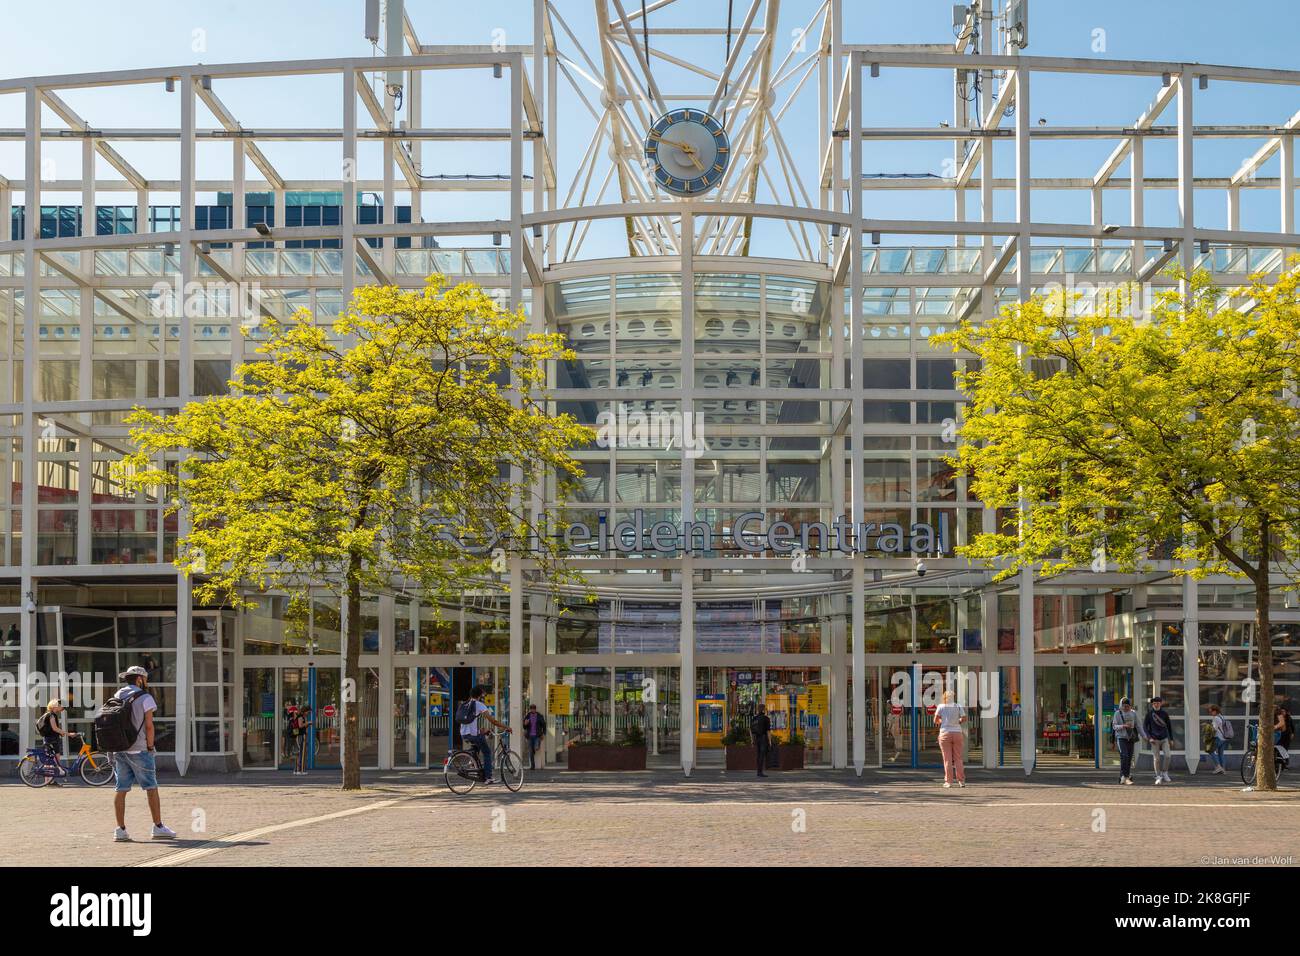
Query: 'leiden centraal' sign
(749, 534)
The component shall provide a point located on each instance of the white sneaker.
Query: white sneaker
(962, 784)
(1166, 776)
(1128, 781)
(121, 836)
(1159, 780)
(161, 832)
(947, 786)
(1218, 770)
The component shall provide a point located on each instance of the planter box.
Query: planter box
(789, 758)
(741, 757)
(606, 757)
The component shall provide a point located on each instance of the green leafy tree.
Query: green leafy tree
(1114, 438)
(399, 447)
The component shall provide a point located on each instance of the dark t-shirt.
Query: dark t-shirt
(46, 730)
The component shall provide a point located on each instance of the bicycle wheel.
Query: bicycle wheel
(97, 769)
(462, 772)
(31, 772)
(512, 770)
(1248, 768)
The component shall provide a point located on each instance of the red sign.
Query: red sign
(895, 710)
(328, 710)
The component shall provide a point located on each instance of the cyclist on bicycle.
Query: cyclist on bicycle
(470, 714)
(50, 729)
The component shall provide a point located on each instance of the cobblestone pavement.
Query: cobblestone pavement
(655, 818)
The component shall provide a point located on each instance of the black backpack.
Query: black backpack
(115, 728)
(756, 728)
(467, 712)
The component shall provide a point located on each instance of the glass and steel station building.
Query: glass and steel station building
(872, 195)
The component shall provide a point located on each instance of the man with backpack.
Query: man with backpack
(1158, 729)
(468, 715)
(124, 727)
(1222, 734)
(760, 725)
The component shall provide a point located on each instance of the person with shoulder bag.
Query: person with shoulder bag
(1124, 726)
(1222, 733)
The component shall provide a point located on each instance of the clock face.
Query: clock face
(687, 151)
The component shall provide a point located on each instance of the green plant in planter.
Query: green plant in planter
(794, 740)
(737, 735)
(633, 736)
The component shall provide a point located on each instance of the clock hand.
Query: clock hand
(688, 150)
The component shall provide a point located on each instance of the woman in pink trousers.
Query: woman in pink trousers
(949, 717)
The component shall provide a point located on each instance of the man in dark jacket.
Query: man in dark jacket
(759, 727)
(534, 731)
(1158, 729)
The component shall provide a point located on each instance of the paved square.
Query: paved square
(657, 818)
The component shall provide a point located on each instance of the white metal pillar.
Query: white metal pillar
(1191, 673)
(516, 564)
(1186, 185)
(31, 311)
(857, 478)
(1287, 183)
(1137, 213)
(686, 680)
(185, 251)
(1028, 692)
(839, 682)
(387, 680)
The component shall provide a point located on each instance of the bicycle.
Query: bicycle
(1252, 751)
(94, 766)
(462, 770)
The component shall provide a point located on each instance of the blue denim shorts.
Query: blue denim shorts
(135, 768)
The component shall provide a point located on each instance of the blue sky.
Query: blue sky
(97, 35)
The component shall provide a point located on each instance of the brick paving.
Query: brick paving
(655, 818)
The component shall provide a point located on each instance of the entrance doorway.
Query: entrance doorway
(271, 696)
(425, 728)
(1072, 713)
(909, 697)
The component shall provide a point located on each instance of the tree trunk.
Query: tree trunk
(1265, 775)
(352, 682)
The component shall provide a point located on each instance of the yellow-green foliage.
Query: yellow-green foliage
(1179, 427)
(341, 448)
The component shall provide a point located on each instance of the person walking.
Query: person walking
(136, 764)
(1158, 729)
(760, 725)
(534, 731)
(303, 727)
(949, 717)
(1124, 726)
(1222, 732)
(894, 727)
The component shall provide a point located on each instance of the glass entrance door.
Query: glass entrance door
(1116, 684)
(259, 717)
(1066, 716)
(314, 692)
(909, 700)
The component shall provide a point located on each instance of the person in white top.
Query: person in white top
(471, 714)
(949, 717)
(1221, 734)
